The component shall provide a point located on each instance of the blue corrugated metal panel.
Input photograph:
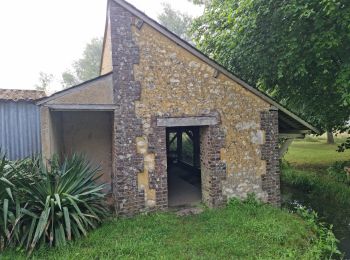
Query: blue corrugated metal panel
(19, 129)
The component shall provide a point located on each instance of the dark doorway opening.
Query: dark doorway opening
(184, 174)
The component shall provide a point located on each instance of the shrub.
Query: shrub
(7, 207)
(312, 138)
(11, 212)
(50, 205)
(325, 246)
(322, 186)
(337, 171)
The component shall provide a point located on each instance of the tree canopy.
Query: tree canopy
(86, 67)
(296, 51)
(45, 79)
(200, 2)
(177, 22)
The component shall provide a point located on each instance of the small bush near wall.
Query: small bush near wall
(340, 171)
(325, 246)
(48, 205)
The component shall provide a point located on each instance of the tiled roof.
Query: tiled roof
(21, 95)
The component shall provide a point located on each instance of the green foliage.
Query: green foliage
(45, 80)
(337, 171)
(11, 209)
(308, 154)
(311, 138)
(187, 149)
(321, 186)
(49, 205)
(242, 230)
(177, 22)
(200, 2)
(252, 200)
(344, 146)
(325, 245)
(296, 51)
(69, 79)
(85, 68)
(6, 201)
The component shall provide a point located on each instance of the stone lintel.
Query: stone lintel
(187, 121)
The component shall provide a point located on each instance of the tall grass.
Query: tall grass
(323, 186)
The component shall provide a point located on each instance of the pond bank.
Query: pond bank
(329, 198)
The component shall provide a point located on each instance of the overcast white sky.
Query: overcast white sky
(48, 35)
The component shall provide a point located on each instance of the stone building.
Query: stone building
(156, 93)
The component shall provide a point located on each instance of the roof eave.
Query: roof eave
(68, 90)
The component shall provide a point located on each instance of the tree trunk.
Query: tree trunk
(330, 138)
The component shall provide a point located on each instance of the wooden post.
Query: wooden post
(179, 144)
(284, 147)
(167, 142)
(196, 148)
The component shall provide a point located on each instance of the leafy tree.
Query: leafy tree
(45, 80)
(345, 145)
(69, 79)
(200, 2)
(86, 67)
(177, 22)
(296, 51)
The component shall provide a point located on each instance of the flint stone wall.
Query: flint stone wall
(153, 77)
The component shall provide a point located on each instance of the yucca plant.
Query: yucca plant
(64, 203)
(5, 194)
(10, 208)
(48, 204)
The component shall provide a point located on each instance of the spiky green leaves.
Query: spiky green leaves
(49, 205)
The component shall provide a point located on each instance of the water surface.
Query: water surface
(329, 211)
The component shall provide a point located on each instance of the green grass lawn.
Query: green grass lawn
(315, 153)
(240, 231)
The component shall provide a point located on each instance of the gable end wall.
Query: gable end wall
(154, 78)
(106, 61)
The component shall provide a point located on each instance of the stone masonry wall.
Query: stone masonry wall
(153, 78)
(127, 162)
(213, 170)
(270, 153)
(176, 83)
